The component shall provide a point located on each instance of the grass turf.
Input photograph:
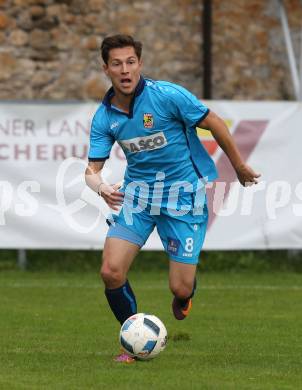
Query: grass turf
(244, 333)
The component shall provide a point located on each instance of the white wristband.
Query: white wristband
(98, 191)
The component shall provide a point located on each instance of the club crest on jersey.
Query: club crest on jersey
(148, 121)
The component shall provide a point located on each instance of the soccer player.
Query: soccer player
(155, 124)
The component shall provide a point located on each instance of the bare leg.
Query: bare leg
(181, 279)
(118, 256)
(182, 285)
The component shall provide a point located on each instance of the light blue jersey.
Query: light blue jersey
(166, 162)
(164, 157)
(158, 135)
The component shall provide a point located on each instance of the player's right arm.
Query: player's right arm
(93, 179)
(101, 141)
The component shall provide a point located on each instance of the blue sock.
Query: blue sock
(122, 301)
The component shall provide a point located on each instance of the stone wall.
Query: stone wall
(249, 52)
(49, 49)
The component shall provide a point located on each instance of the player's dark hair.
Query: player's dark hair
(119, 41)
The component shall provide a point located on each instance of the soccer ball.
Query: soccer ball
(143, 336)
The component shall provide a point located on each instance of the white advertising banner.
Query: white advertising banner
(44, 202)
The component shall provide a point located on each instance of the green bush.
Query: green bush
(89, 261)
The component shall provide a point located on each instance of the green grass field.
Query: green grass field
(244, 333)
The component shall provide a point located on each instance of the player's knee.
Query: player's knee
(111, 276)
(181, 291)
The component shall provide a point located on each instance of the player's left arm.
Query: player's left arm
(218, 128)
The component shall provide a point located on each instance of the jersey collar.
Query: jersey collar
(138, 91)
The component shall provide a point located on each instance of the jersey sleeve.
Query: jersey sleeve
(101, 141)
(186, 106)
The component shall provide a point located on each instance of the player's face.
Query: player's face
(124, 69)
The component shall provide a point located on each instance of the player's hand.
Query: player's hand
(246, 175)
(111, 195)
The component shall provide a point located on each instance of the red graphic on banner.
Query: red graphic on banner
(246, 136)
